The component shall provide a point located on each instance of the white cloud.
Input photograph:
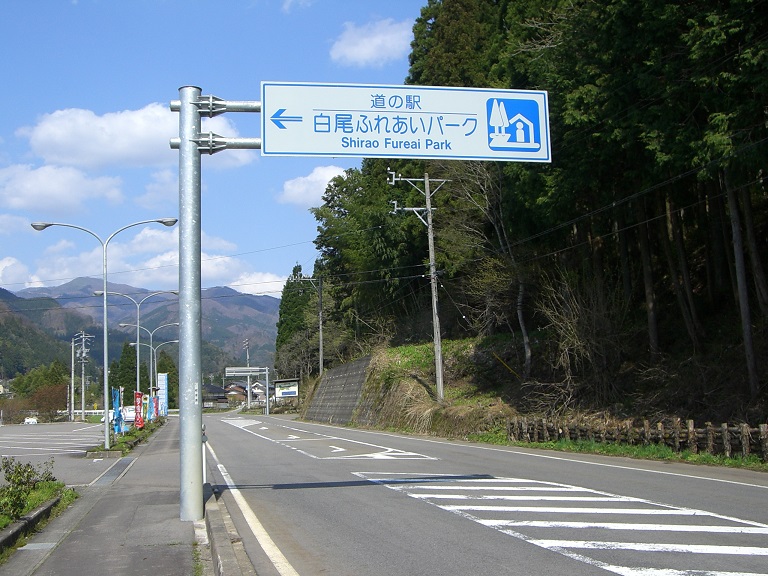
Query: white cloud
(13, 272)
(159, 271)
(308, 190)
(11, 225)
(153, 238)
(374, 44)
(162, 192)
(148, 259)
(216, 243)
(77, 137)
(289, 4)
(53, 189)
(259, 283)
(223, 126)
(130, 138)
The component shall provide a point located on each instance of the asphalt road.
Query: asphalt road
(311, 499)
(64, 444)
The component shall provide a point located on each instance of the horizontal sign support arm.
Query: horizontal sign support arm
(212, 143)
(213, 106)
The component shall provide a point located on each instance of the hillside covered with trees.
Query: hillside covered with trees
(627, 275)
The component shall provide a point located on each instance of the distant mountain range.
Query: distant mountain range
(229, 318)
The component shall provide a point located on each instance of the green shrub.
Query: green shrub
(21, 479)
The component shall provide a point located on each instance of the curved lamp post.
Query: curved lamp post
(154, 351)
(153, 354)
(151, 335)
(138, 322)
(104, 243)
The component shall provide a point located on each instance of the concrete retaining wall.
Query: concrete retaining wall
(338, 393)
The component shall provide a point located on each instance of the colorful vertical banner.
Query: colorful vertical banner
(145, 408)
(138, 405)
(117, 414)
(162, 393)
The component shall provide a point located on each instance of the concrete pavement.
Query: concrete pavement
(127, 522)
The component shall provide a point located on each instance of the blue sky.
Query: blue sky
(85, 129)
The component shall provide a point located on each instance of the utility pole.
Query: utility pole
(71, 389)
(82, 340)
(319, 288)
(248, 364)
(428, 193)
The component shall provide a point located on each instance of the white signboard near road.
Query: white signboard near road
(306, 119)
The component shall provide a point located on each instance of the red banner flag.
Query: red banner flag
(138, 400)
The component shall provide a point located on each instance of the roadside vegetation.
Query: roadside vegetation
(127, 441)
(27, 487)
(652, 452)
(483, 394)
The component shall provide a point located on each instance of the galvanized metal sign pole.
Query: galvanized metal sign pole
(190, 143)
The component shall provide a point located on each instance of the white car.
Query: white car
(128, 412)
(30, 420)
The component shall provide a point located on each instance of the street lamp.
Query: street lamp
(138, 317)
(154, 350)
(153, 354)
(104, 243)
(151, 335)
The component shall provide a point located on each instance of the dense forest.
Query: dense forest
(628, 272)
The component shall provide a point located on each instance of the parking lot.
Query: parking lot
(64, 443)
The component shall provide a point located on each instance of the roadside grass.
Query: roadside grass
(475, 385)
(42, 493)
(127, 441)
(650, 452)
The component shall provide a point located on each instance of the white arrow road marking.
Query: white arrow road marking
(337, 449)
(383, 453)
(243, 423)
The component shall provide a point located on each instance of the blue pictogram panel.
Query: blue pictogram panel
(514, 125)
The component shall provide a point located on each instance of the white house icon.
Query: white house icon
(521, 134)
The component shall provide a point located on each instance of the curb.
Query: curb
(24, 525)
(225, 561)
(104, 454)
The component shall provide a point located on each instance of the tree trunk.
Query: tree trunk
(523, 329)
(758, 273)
(676, 284)
(650, 296)
(741, 281)
(677, 233)
(626, 270)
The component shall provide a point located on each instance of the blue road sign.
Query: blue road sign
(307, 119)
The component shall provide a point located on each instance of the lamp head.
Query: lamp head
(40, 225)
(98, 293)
(168, 221)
